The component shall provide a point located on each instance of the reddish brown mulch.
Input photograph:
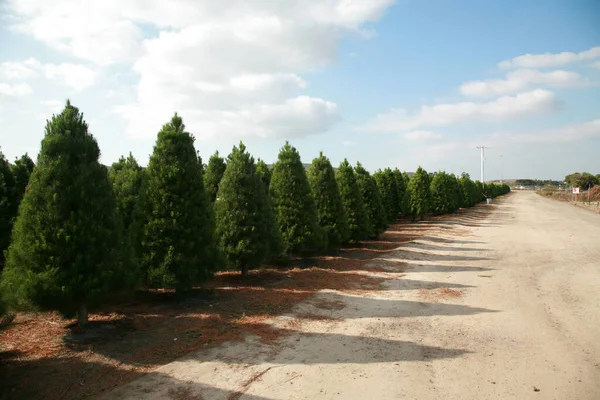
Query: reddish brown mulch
(36, 362)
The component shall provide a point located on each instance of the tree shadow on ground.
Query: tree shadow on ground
(158, 327)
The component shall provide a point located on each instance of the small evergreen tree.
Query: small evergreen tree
(5, 216)
(213, 175)
(388, 188)
(420, 197)
(65, 253)
(469, 189)
(294, 205)
(126, 176)
(179, 244)
(242, 213)
(11, 190)
(352, 199)
(22, 169)
(265, 174)
(400, 187)
(442, 201)
(332, 217)
(371, 199)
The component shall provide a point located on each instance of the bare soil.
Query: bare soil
(500, 301)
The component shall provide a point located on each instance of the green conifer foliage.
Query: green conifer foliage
(66, 249)
(22, 169)
(264, 172)
(179, 246)
(401, 187)
(332, 217)
(242, 213)
(442, 194)
(213, 175)
(388, 188)
(294, 205)
(420, 197)
(371, 199)
(352, 199)
(5, 225)
(127, 176)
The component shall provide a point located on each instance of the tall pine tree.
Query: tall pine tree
(5, 225)
(358, 219)
(242, 213)
(332, 217)
(294, 205)
(213, 175)
(179, 244)
(371, 199)
(65, 254)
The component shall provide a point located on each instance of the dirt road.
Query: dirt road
(501, 306)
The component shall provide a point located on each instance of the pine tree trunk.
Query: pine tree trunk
(82, 316)
(245, 271)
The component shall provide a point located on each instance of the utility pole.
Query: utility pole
(482, 155)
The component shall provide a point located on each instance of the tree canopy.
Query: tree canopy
(213, 175)
(352, 199)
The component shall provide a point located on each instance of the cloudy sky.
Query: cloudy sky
(388, 83)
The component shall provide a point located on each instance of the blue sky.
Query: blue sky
(388, 83)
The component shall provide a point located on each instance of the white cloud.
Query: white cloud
(227, 67)
(597, 64)
(53, 105)
(505, 107)
(549, 59)
(349, 143)
(522, 79)
(17, 90)
(567, 133)
(422, 135)
(76, 76)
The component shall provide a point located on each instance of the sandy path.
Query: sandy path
(503, 307)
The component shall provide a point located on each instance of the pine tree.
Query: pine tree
(371, 199)
(126, 176)
(420, 197)
(442, 201)
(294, 205)
(332, 217)
(388, 188)
(400, 187)
(264, 172)
(10, 183)
(358, 219)
(242, 213)
(22, 169)
(179, 246)
(213, 175)
(65, 253)
(5, 225)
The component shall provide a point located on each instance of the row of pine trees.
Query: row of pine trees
(82, 232)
